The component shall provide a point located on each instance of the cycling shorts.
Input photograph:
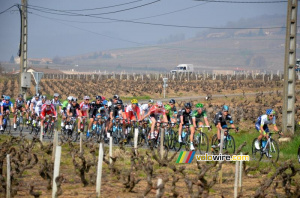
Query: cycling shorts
(265, 127)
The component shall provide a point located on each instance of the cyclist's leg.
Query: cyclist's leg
(192, 129)
(153, 123)
(15, 117)
(179, 132)
(1, 117)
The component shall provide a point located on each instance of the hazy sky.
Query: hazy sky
(59, 36)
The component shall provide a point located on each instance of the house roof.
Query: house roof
(44, 70)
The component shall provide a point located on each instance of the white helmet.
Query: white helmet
(70, 98)
(109, 103)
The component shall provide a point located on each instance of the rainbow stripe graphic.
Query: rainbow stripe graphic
(185, 157)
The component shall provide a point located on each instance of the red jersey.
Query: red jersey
(157, 111)
(133, 113)
(45, 112)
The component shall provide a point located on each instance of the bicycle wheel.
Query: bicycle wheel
(75, 133)
(256, 153)
(50, 131)
(272, 151)
(176, 145)
(229, 144)
(202, 143)
(8, 126)
(21, 123)
(167, 140)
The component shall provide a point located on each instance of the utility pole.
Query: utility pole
(288, 114)
(25, 78)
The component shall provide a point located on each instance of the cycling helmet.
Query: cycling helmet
(115, 97)
(55, 95)
(37, 95)
(3, 96)
(151, 101)
(70, 98)
(188, 105)
(270, 112)
(86, 98)
(119, 102)
(47, 102)
(167, 107)
(134, 101)
(98, 98)
(6, 98)
(159, 104)
(199, 106)
(44, 97)
(20, 96)
(172, 101)
(74, 99)
(109, 103)
(104, 102)
(225, 108)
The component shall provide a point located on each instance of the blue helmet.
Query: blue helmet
(270, 111)
(6, 98)
(104, 102)
(225, 108)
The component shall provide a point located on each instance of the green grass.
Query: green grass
(137, 97)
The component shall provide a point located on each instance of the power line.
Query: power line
(245, 2)
(8, 9)
(137, 43)
(75, 14)
(159, 24)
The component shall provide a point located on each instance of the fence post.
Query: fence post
(56, 170)
(241, 175)
(136, 134)
(55, 142)
(236, 178)
(8, 176)
(99, 170)
(159, 181)
(41, 133)
(221, 152)
(80, 141)
(110, 149)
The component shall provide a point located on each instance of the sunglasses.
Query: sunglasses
(87, 99)
(271, 115)
(225, 111)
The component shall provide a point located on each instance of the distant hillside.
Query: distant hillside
(212, 49)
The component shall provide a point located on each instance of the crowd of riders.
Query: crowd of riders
(37, 108)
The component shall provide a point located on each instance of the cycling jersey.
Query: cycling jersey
(74, 109)
(264, 122)
(103, 112)
(94, 108)
(84, 108)
(38, 107)
(65, 105)
(45, 112)
(145, 108)
(6, 105)
(219, 118)
(187, 116)
(56, 103)
(34, 102)
(20, 103)
(171, 113)
(195, 114)
(28, 103)
(133, 113)
(117, 111)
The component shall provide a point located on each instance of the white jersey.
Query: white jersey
(266, 121)
(144, 109)
(34, 102)
(38, 107)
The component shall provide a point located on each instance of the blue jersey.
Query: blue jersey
(6, 105)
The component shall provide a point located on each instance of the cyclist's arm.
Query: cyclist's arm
(275, 128)
(206, 121)
(194, 121)
(111, 113)
(1, 110)
(181, 119)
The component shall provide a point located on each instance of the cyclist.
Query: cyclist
(146, 107)
(73, 109)
(47, 109)
(199, 115)
(84, 109)
(262, 123)
(220, 121)
(6, 103)
(185, 118)
(156, 112)
(33, 103)
(20, 104)
(94, 107)
(64, 110)
(170, 114)
(173, 108)
(117, 112)
(133, 111)
(38, 107)
(56, 102)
